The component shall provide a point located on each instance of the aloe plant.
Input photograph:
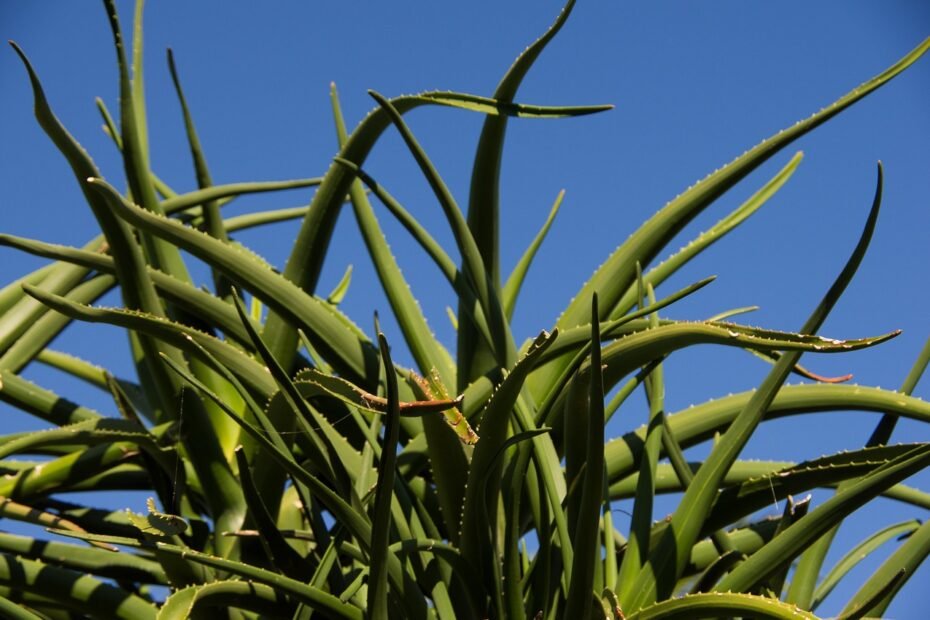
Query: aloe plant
(296, 467)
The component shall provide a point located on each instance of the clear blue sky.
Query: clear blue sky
(694, 84)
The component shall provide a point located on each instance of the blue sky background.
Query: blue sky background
(694, 84)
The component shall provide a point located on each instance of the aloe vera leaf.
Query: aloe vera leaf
(811, 562)
(669, 557)
(808, 529)
(858, 553)
(24, 311)
(343, 343)
(641, 521)
(261, 218)
(629, 353)
(196, 301)
(757, 493)
(615, 275)
(774, 584)
(211, 209)
(45, 328)
(717, 604)
(339, 291)
(175, 334)
(625, 355)
(29, 514)
(772, 357)
(60, 473)
(314, 597)
(44, 404)
(552, 488)
(17, 610)
(357, 522)
(73, 590)
(309, 250)
(721, 565)
(13, 292)
(516, 562)
(188, 200)
(431, 357)
(74, 366)
(757, 338)
(222, 492)
(381, 515)
(134, 139)
(243, 595)
(667, 481)
(707, 238)
(422, 236)
(99, 431)
(885, 427)
(700, 422)
(268, 433)
(109, 125)
(511, 290)
(479, 510)
(475, 357)
(727, 314)
(137, 290)
(546, 411)
(877, 593)
(746, 540)
(473, 269)
(278, 551)
(585, 546)
(447, 267)
(322, 453)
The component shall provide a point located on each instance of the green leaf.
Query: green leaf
(44, 404)
(338, 293)
(514, 283)
(878, 591)
(175, 334)
(700, 422)
(858, 553)
(808, 529)
(193, 600)
(473, 269)
(475, 356)
(306, 259)
(384, 490)
(707, 238)
(479, 509)
(281, 555)
(616, 274)
(716, 604)
(585, 546)
(45, 328)
(73, 590)
(669, 557)
(96, 560)
(157, 524)
(342, 343)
